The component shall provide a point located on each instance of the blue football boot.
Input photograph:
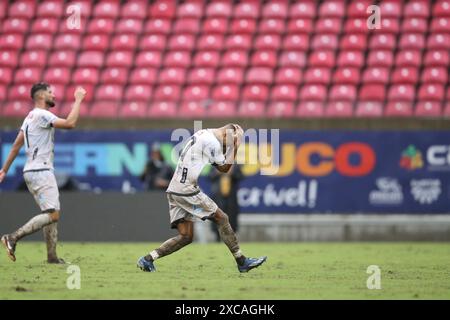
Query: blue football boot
(145, 265)
(251, 263)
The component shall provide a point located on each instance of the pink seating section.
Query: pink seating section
(220, 58)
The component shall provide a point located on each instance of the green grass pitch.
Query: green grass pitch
(208, 271)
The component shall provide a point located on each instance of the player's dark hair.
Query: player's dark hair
(37, 87)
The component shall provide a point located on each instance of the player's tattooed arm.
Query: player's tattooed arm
(72, 119)
(12, 155)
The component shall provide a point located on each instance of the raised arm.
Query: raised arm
(12, 155)
(71, 121)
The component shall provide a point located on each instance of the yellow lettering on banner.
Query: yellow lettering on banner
(247, 156)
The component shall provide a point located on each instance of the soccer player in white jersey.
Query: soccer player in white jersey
(37, 133)
(187, 202)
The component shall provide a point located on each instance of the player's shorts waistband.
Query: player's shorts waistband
(37, 170)
(184, 194)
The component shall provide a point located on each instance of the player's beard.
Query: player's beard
(50, 103)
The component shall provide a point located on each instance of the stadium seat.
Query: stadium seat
(294, 59)
(353, 41)
(243, 26)
(39, 42)
(168, 93)
(226, 92)
(33, 58)
(162, 9)
(195, 93)
(210, 42)
(300, 25)
(323, 42)
(149, 59)
(398, 109)
(431, 92)
(408, 58)
(15, 25)
(143, 75)
(106, 9)
(380, 58)
(18, 92)
(186, 25)
(356, 25)
(8, 58)
(434, 75)
(441, 8)
(50, 9)
(22, 9)
(172, 76)
(405, 75)
(97, 26)
(428, 109)
(255, 92)
(153, 42)
(177, 59)
(413, 25)
(313, 93)
(417, 9)
(251, 109)
(284, 93)
(346, 76)
(310, 109)
(110, 92)
(401, 92)
(16, 109)
(93, 59)
(358, 8)
(117, 76)
(369, 109)
(266, 58)
(133, 109)
(338, 109)
(390, 25)
(446, 112)
(90, 94)
(372, 92)
(296, 42)
(6, 76)
(181, 42)
(57, 76)
(222, 9)
(221, 109)
(324, 59)
(440, 24)
(62, 59)
(382, 41)
(280, 110)
(134, 10)
(412, 41)
(247, 10)
(332, 8)
(288, 76)
(192, 109)
(303, 10)
(259, 75)
(157, 26)
(437, 59)
(274, 9)
(65, 42)
(162, 109)
(96, 42)
(317, 76)
(342, 92)
(27, 75)
(230, 75)
(350, 59)
(201, 76)
(189, 10)
(128, 26)
(438, 41)
(267, 42)
(215, 26)
(238, 42)
(138, 92)
(46, 25)
(66, 107)
(271, 26)
(391, 8)
(210, 59)
(328, 26)
(104, 109)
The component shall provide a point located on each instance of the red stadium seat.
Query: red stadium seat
(201, 76)
(187, 25)
(5, 76)
(437, 58)
(338, 109)
(104, 109)
(15, 25)
(271, 26)
(238, 42)
(376, 75)
(177, 59)
(431, 92)
(303, 10)
(134, 10)
(243, 26)
(300, 25)
(280, 110)
(50, 9)
(195, 93)
(438, 41)
(274, 9)
(408, 58)
(162, 109)
(109, 92)
(16, 109)
(267, 42)
(292, 59)
(354, 41)
(428, 109)
(441, 8)
(2, 9)
(401, 92)
(192, 109)
(33, 58)
(255, 92)
(382, 41)
(62, 59)
(57, 76)
(39, 42)
(226, 92)
(412, 41)
(350, 59)
(167, 93)
(264, 58)
(446, 112)
(27, 75)
(210, 42)
(312, 93)
(222, 109)
(284, 92)
(288, 76)
(101, 26)
(65, 42)
(380, 58)
(86, 76)
(133, 109)
(310, 109)
(332, 9)
(46, 25)
(346, 76)
(247, 10)
(181, 42)
(138, 92)
(398, 109)
(163, 9)
(230, 76)
(141, 75)
(172, 76)
(417, 9)
(372, 92)
(390, 25)
(11, 42)
(328, 25)
(324, 42)
(317, 76)
(322, 59)
(259, 75)
(124, 42)
(440, 25)
(391, 8)
(405, 75)
(215, 25)
(92, 59)
(153, 42)
(115, 76)
(222, 9)
(190, 10)
(157, 26)
(251, 109)
(414, 25)
(106, 9)
(18, 92)
(369, 109)
(22, 9)
(96, 42)
(342, 92)
(148, 59)
(129, 26)
(8, 58)
(210, 59)
(434, 75)
(296, 42)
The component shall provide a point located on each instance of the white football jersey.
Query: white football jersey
(39, 139)
(201, 148)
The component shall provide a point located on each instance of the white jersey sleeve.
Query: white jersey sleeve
(215, 154)
(46, 119)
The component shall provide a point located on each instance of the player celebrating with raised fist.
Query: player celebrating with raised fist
(37, 133)
(187, 202)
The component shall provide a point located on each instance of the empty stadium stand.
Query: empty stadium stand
(220, 58)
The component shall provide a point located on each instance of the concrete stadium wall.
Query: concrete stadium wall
(144, 217)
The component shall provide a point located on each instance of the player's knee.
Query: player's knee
(221, 217)
(186, 238)
(54, 216)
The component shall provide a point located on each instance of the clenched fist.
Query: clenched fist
(80, 93)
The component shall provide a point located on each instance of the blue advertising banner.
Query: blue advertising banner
(310, 171)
